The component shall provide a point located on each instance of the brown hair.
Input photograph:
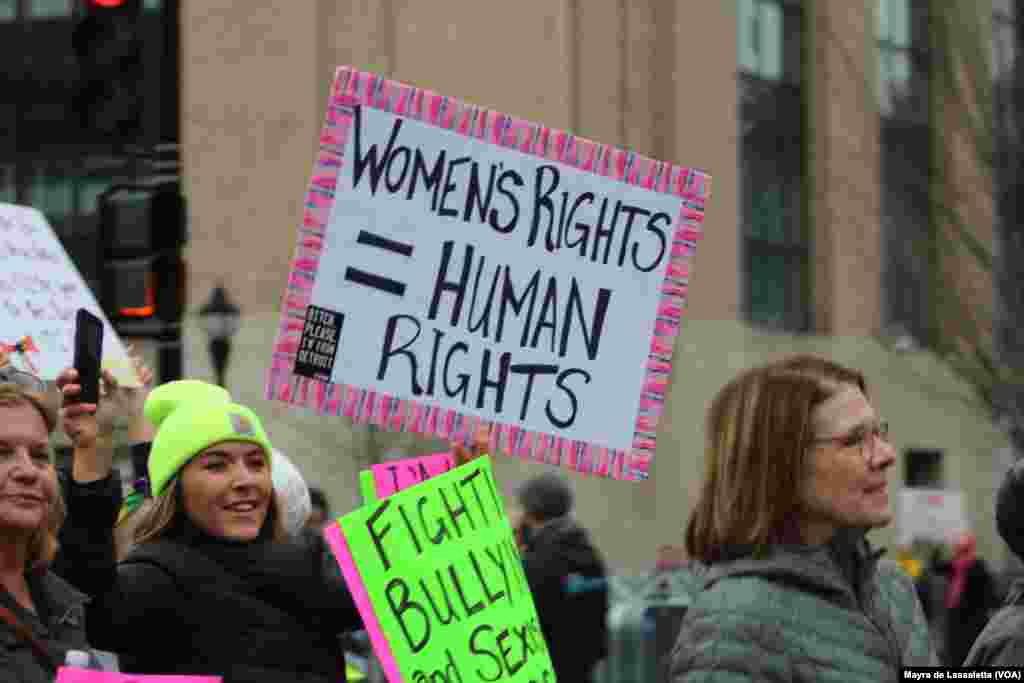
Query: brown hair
(157, 515)
(758, 432)
(42, 545)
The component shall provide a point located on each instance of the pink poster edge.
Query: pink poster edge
(336, 539)
(73, 674)
(353, 87)
(379, 470)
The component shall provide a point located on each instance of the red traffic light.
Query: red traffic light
(108, 4)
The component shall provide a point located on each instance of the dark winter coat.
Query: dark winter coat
(189, 604)
(569, 584)
(1001, 643)
(965, 622)
(802, 614)
(83, 565)
(85, 557)
(58, 623)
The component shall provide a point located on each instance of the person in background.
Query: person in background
(41, 615)
(566, 575)
(211, 564)
(970, 597)
(321, 509)
(796, 473)
(292, 494)
(1001, 642)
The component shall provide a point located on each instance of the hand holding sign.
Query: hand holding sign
(385, 479)
(480, 445)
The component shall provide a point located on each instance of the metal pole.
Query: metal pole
(171, 347)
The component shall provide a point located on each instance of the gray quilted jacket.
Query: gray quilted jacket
(1002, 641)
(800, 614)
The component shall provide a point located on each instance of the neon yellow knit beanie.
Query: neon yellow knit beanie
(190, 416)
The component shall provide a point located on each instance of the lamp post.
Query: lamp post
(221, 319)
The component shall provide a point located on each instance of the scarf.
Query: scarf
(964, 559)
(287, 574)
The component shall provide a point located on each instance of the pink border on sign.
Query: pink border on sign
(352, 87)
(72, 674)
(435, 464)
(336, 539)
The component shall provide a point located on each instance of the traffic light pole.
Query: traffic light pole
(170, 261)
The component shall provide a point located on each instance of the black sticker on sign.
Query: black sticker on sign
(318, 345)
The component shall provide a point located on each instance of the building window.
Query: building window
(49, 9)
(89, 190)
(1007, 34)
(8, 185)
(903, 84)
(8, 10)
(1004, 58)
(903, 59)
(52, 192)
(922, 468)
(775, 250)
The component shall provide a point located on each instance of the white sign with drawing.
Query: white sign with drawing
(40, 291)
(935, 515)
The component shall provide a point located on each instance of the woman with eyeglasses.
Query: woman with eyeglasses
(41, 615)
(796, 473)
(89, 486)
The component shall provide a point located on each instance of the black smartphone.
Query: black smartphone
(88, 355)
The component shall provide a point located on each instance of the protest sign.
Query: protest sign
(396, 475)
(934, 515)
(40, 291)
(439, 582)
(367, 486)
(458, 265)
(72, 674)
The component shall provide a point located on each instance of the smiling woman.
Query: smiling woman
(39, 612)
(211, 562)
(796, 474)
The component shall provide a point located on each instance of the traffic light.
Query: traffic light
(107, 41)
(142, 231)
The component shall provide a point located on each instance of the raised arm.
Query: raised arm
(90, 487)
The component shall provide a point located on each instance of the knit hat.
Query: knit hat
(292, 493)
(189, 417)
(1010, 509)
(545, 496)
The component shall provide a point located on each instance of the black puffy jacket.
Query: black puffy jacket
(176, 610)
(85, 556)
(568, 581)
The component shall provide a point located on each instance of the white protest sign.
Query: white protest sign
(455, 322)
(935, 515)
(455, 268)
(40, 291)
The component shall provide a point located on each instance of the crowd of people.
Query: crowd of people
(214, 562)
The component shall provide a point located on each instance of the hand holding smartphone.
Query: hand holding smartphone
(88, 355)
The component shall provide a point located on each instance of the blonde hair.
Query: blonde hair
(42, 545)
(758, 432)
(157, 515)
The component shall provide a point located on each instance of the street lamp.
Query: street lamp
(221, 319)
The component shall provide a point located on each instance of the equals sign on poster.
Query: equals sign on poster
(385, 284)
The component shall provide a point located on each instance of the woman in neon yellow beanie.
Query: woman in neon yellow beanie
(213, 584)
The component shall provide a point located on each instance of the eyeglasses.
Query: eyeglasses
(860, 436)
(25, 380)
